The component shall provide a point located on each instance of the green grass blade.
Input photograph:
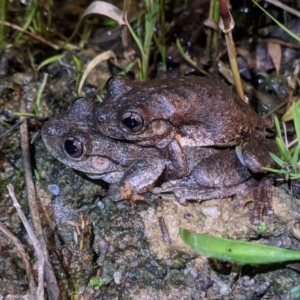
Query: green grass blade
(236, 251)
(24, 114)
(295, 157)
(50, 60)
(38, 99)
(135, 38)
(283, 150)
(278, 128)
(277, 159)
(276, 171)
(296, 120)
(294, 176)
(290, 33)
(32, 13)
(2, 26)
(185, 56)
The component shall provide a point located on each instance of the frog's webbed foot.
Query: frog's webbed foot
(125, 191)
(262, 199)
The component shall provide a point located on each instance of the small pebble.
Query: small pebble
(54, 189)
(103, 244)
(211, 211)
(224, 288)
(101, 205)
(117, 277)
(247, 281)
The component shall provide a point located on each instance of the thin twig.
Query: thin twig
(164, 231)
(52, 286)
(271, 112)
(37, 37)
(227, 24)
(285, 7)
(23, 256)
(6, 133)
(36, 244)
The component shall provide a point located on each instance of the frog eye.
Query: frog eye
(73, 147)
(132, 121)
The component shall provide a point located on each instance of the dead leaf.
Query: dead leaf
(102, 8)
(275, 53)
(93, 63)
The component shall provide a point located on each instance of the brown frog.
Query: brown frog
(71, 138)
(171, 113)
(132, 170)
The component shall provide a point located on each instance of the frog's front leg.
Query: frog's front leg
(177, 166)
(254, 152)
(138, 178)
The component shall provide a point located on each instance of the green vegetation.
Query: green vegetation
(144, 39)
(37, 103)
(142, 29)
(293, 35)
(289, 155)
(32, 19)
(2, 26)
(95, 283)
(238, 252)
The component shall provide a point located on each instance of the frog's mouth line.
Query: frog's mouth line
(99, 175)
(109, 177)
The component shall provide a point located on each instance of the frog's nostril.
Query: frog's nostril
(48, 129)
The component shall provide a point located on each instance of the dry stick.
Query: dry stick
(35, 36)
(6, 133)
(227, 25)
(284, 7)
(52, 286)
(164, 231)
(23, 256)
(37, 246)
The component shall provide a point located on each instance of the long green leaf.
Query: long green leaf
(277, 159)
(278, 129)
(50, 60)
(276, 171)
(236, 251)
(296, 117)
(282, 149)
(296, 120)
(295, 157)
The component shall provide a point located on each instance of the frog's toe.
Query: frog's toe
(180, 196)
(114, 193)
(126, 191)
(258, 212)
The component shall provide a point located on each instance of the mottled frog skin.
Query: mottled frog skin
(72, 139)
(133, 170)
(172, 113)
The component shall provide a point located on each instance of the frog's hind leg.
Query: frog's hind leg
(262, 199)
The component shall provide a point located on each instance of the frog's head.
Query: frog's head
(139, 115)
(71, 139)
